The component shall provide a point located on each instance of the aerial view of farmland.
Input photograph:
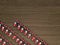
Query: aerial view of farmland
(29, 22)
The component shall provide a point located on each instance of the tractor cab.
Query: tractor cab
(4, 28)
(17, 39)
(20, 42)
(41, 43)
(16, 24)
(36, 41)
(14, 37)
(25, 32)
(4, 43)
(1, 40)
(29, 35)
(21, 29)
(10, 34)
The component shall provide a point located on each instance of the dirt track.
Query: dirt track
(43, 19)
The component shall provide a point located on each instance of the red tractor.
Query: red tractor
(21, 29)
(4, 43)
(25, 32)
(14, 37)
(6, 31)
(1, 40)
(20, 42)
(3, 28)
(41, 43)
(17, 40)
(9, 34)
(16, 24)
(19, 26)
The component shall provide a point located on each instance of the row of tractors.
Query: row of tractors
(4, 41)
(28, 33)
(18, 39)
(10, 33)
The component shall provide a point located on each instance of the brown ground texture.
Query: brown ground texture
(41, 16)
